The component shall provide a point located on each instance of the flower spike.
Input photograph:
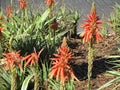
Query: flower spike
(91, 27)
(61, 68)
(12, 60)
(32, 58)
(50, 2)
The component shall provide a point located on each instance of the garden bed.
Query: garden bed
(40, 50)
(102, 50)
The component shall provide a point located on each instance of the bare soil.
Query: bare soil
(107, 47)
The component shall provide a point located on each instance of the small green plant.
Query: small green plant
(114, 20)
(5, 79)
(114, 71)
(68, 20)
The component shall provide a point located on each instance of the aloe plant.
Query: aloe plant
(113, 72)
(28, 29)
(114, 20)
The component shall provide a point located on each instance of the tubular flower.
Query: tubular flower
(9, 11)
(50, 2)
(32, 58)
(61, 68)
(12, 59)
(91, 27)
(22, 4)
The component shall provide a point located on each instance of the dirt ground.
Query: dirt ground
(107, 47)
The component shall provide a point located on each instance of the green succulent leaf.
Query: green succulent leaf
(26, 82)
(109, 83)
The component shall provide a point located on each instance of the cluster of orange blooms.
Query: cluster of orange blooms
(61, 68)
(9, 11)
(91, 27)
(32, 58)
(22, 4)
(13, 59)
(50, 2)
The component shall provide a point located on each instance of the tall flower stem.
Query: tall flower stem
(23, 15)
(36, 79)
(13, 79)
(90, 63)
(62, 87)
(54, 37)
(10, 43)
(11, 2)
(63, 3)
(92, 35)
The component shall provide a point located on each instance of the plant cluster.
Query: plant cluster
(28, 41)
(114, 20)
(114, 71)
(32, 54)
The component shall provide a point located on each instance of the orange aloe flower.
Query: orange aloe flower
(1, 22)
(61, 68)
(32, 58)
(91, 27)
(50, 2)
(9, 11)
(12, 59)
(22, 4)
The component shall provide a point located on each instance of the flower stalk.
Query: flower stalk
(11, 2)
(32, 60)
(61, 69)
(62, 87)
(13, 79)
(36, 78)
(10, 43)
(12, 61)
(90, 62)
(63, 3)
(53, 28)
(91, 35)
(23, 5)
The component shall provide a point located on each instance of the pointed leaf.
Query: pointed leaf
(26, 81)
(109, 83)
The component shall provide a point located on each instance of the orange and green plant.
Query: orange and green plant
(9, 11)
(33, 55)
(27, 32)
(12, 61)
(50, 2)
(91, 35)
(61, 68)
(32, 59)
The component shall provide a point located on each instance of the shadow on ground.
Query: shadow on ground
(99, 66)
